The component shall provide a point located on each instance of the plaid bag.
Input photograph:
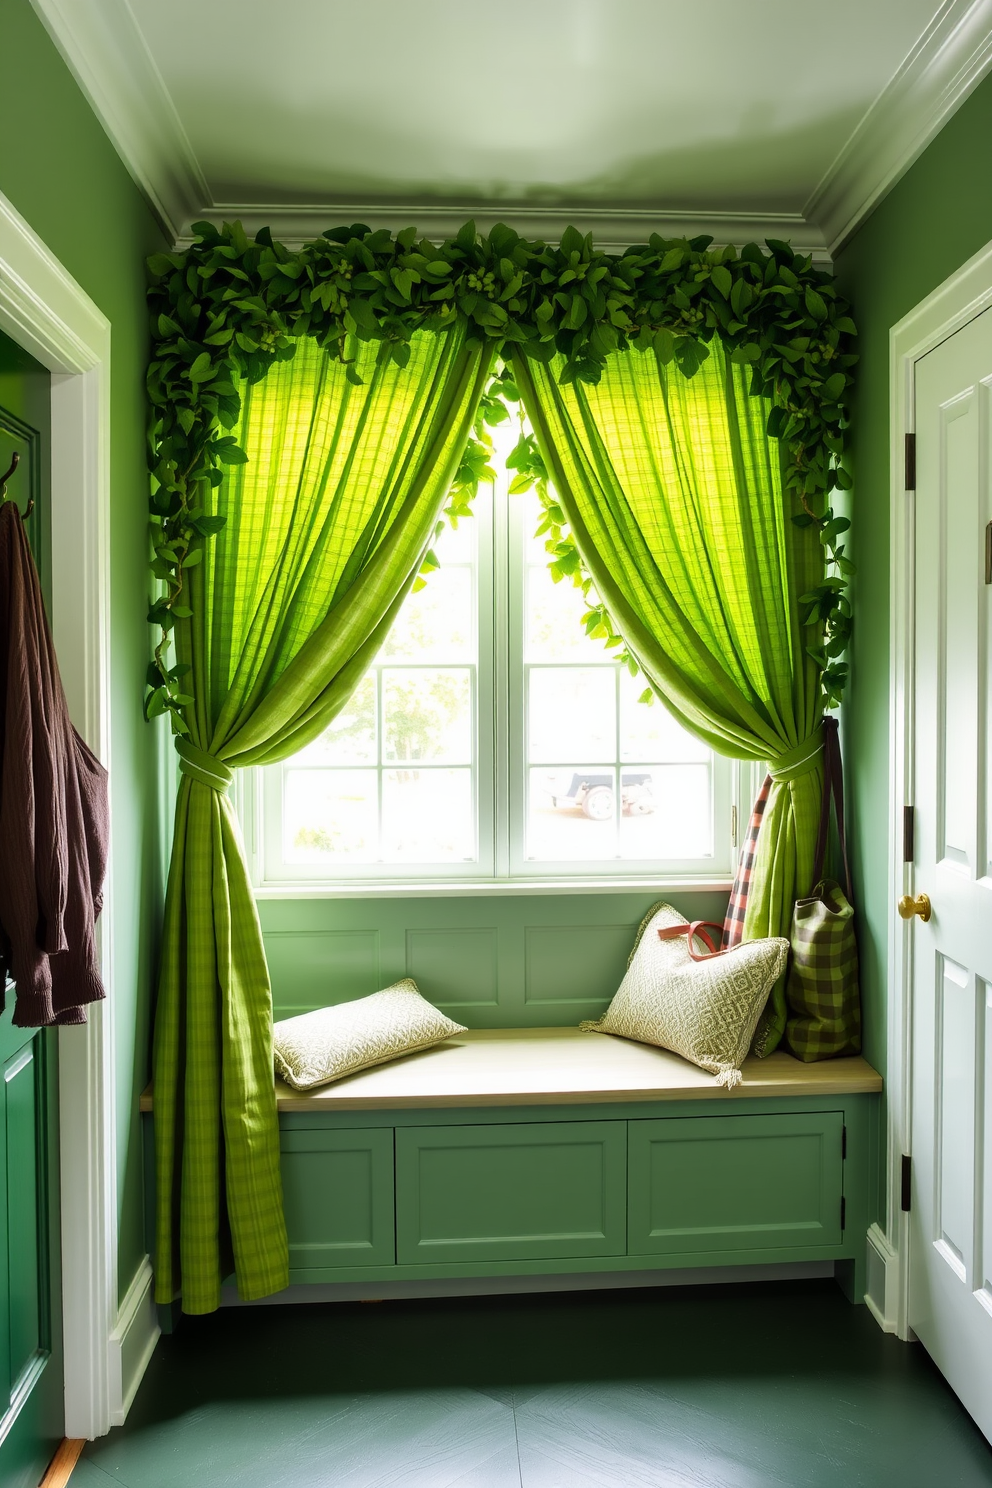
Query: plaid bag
(822, 990)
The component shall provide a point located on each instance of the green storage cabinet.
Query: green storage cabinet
(532, 1191)
(338, 1194)
(734, 1183)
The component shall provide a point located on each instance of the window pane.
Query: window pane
(427, 816)
(554, 629)
(572, 712)
(349, 739)
(667, 812)
(427, 714)
(330, 814)
(572, 814)
(649, 732)
(435, 624)
(458, 544)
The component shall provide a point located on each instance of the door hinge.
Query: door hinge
(843, 1212)
(909, 834)
(910, 471)
(733, 826)
(843, 1142)
(907, 1184)
(988, 553)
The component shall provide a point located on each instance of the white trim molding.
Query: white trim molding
(133, 1341)
(946, 65)
(952, 305)
(46, 312)
(613, 228)
(107, 54)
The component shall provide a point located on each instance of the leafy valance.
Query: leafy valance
(226, 308)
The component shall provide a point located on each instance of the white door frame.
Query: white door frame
(952, 305)
(46, 312)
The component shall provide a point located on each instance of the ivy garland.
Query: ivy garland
(227, 308)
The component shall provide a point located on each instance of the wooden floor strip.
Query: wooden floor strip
(61, 1466)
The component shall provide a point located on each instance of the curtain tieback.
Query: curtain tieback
(204, 767)
(799, 760)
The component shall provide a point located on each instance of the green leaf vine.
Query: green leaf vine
(224, 310)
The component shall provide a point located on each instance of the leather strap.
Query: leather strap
(833, 790)
(697, 928)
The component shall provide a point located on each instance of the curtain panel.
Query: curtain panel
(672, 490)
(326, 527)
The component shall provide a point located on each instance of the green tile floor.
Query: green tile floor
(765, 1386)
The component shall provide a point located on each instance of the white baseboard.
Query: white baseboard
(132, 1342)
(883, 1280)
(500, 1286)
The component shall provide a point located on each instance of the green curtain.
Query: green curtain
(327, 525)
(672, 490)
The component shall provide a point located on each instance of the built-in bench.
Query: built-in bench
(530, 1152)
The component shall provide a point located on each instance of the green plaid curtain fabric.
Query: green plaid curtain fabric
(327, 526)
(672, 490)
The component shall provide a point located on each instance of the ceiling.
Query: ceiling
(782, 117)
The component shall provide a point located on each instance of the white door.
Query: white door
(951, 1213)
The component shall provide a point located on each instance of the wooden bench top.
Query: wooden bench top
(562, 1066)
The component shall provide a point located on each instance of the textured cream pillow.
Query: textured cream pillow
(318, 1047)
(706, 1011)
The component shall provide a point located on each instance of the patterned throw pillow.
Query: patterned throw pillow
(706, 1011)
(318, 1047)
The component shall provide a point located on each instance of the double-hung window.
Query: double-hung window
(493, 742)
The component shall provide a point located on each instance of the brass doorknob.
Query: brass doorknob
(908, 907)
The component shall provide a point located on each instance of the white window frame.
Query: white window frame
(502, 866)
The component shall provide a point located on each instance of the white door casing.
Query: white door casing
(953, 304)
(950, 1233)
(45, 311)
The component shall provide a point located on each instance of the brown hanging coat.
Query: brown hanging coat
(54, 813)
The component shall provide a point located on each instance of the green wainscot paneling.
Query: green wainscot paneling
(719, 1183)
(511, 1192)
(338, 1194)
(494, 961)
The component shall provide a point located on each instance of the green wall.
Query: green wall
(499, 961)
(60, 171)
(932, 222)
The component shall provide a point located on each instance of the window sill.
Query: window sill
(493, 888)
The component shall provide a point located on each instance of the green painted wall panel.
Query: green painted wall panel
(499, 961)
(522, 1192)
(936, 218)
(60, 171)
(734, 1182)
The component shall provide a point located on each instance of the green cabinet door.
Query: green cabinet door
(735, 1183)
(30, 1377)
(510, 1193)
(338, 1193)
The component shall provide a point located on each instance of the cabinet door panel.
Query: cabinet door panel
(338, 1194)
(719, 1183)
(527, 1192)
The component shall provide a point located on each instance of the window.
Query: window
(493, 741)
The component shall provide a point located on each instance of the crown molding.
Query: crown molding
(105, 50)
(613, 228)
(948, 62)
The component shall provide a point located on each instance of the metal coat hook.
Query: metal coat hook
(15, 461)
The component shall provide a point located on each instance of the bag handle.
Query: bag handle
(833, 789)
(698, 927)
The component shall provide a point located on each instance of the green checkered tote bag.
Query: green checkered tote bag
(822, 990)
